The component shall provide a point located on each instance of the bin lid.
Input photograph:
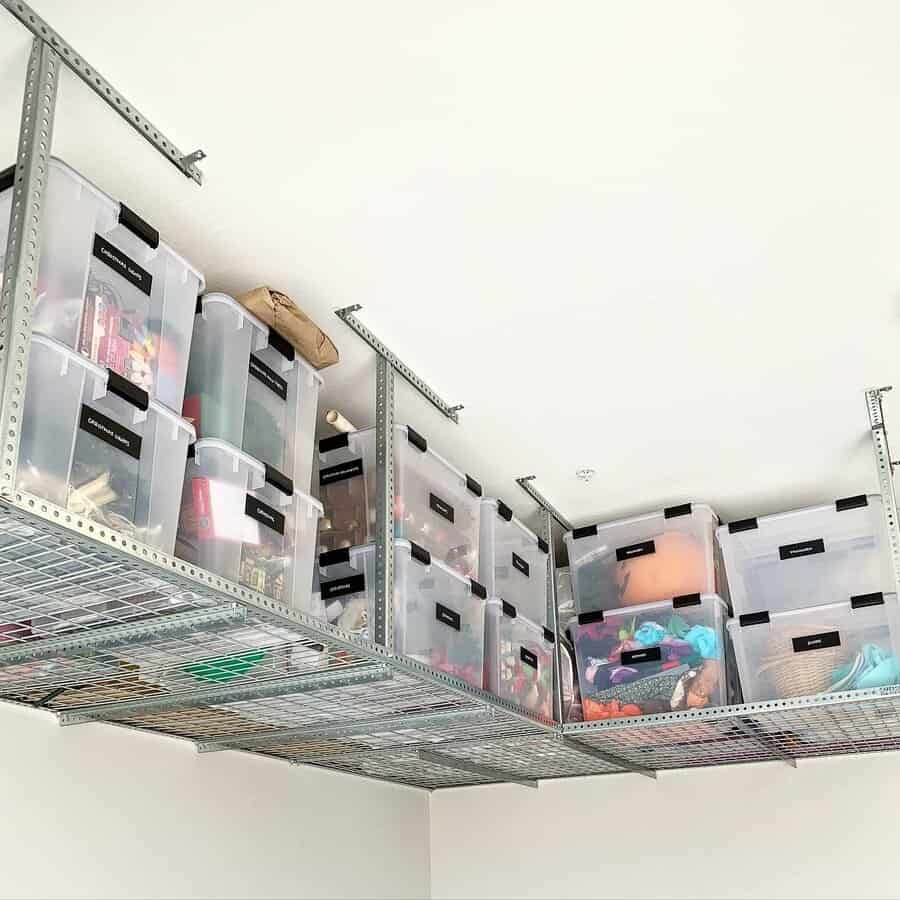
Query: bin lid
(102, 374)
(217, 445)
(495, 503)
(56, 162)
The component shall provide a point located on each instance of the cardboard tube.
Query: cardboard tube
(338, 422)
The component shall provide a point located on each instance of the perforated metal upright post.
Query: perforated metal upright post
(885, 471)
(23, 248)
(553, 610)
(382, 629)
(383, 626)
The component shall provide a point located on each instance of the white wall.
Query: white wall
(96, 811)
(826, 829)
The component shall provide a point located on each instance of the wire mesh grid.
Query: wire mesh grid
(85, 623)
(861, 722)
(388, 696)
(89, 632)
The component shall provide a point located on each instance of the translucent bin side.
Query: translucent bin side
(307, 513)
(280, 421)
(224, 337)
(345, 580)
(435, 505)
(236, 524)
(518, 660)
(347, 490)
(653, 658)
(251, 393)
(90, 450)
(643, 559)
(106, 292)
(167, 439)
(439, 619)
(807, 557)
(438, 614)
(822, 649)
(570, 693)
(513, 561)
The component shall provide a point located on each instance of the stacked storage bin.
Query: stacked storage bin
(247, 386)
(813, 596)
(438, 605)
(650, 633)
(518, 658)
(245, 512)
(101, 434)
(245, 521)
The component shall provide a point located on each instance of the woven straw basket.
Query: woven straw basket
(800, 674)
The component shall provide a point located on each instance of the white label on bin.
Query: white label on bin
(341, 472)
(264, 514)
(269, 377)
(123, 265)
(340, 587)
(110, 431)
(816, 641)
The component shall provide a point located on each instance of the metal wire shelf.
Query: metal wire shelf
(96, 633)
(97, 627)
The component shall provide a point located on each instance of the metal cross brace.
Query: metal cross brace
(609, 758)
(750, 729)
(461, 765)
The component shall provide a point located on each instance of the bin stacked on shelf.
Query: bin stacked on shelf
(245, 510)
(439, 607)
(813, 596)
(101, 433)
(519, 652)
(650, 635)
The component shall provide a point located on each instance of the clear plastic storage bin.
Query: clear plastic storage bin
(518, 659)
(247, 386)
(438, 613)
(822, 649)
(435, 505)
(513, 561)
(807, 557)
(245, 522)
(93, 443)
(108, 287)
(653, 658)
(644, 558)
(571, 697)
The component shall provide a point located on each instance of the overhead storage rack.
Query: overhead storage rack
(97, 627)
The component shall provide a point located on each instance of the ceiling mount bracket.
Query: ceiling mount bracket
(348, 317)
(185, 163)
(525, 482)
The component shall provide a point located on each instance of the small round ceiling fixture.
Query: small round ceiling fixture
(585, 474)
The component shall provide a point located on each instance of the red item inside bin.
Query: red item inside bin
(11, 631)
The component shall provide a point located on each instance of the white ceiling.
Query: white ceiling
(656, 239)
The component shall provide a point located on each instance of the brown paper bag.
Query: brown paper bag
(279, 312)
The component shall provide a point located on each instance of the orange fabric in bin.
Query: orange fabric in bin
(677, 567)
